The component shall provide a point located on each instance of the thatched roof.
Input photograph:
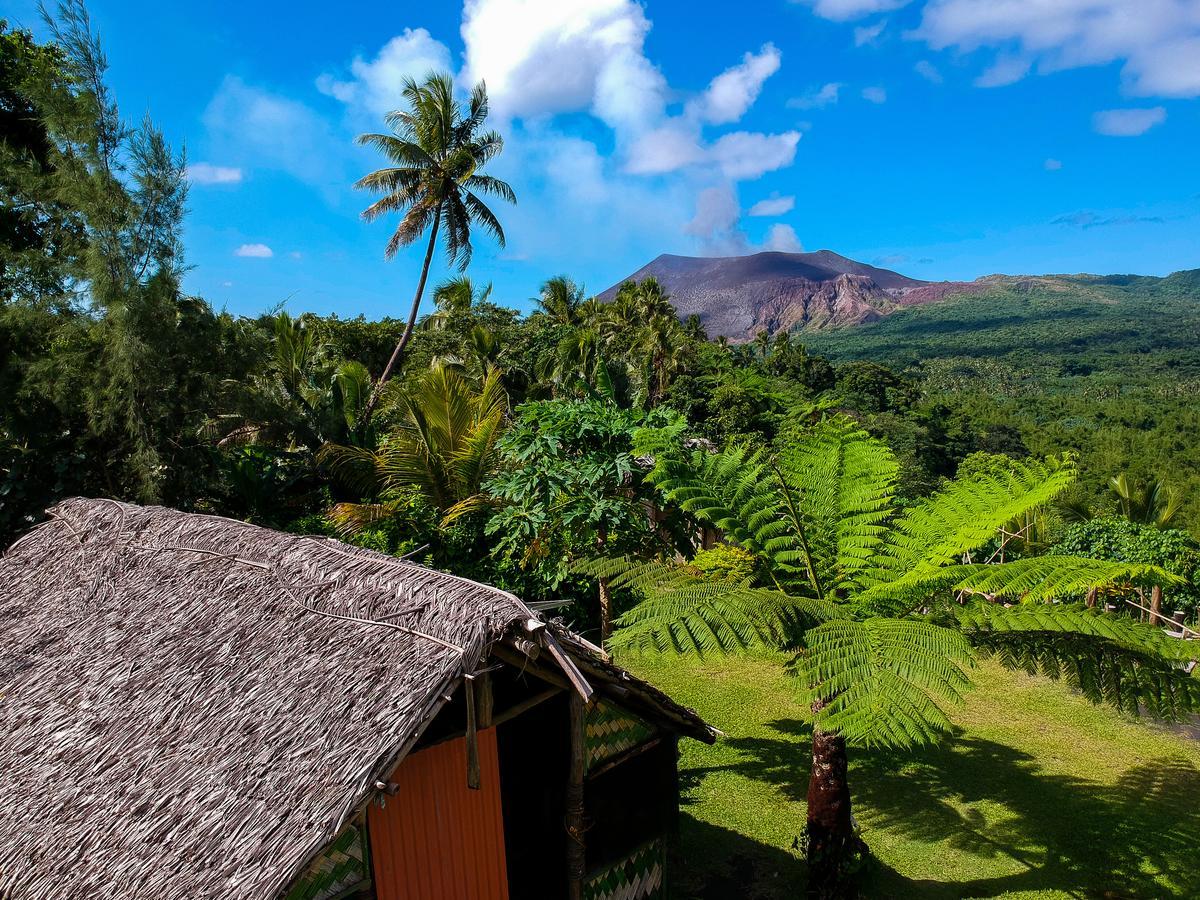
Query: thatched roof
(191, 707)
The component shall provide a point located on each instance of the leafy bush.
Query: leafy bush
(724, 562)
(1120, 540)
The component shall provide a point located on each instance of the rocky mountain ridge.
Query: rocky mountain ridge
(739, 296)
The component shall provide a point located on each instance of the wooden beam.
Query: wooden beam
(627, 755)
(586, 692)
(484, 698)
(576, 848)
(527, 704)
(522, 664)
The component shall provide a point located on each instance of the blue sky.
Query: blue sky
(942, 138)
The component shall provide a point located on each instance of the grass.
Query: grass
(1039, 794)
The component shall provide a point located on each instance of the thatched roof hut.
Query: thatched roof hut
(194, 707)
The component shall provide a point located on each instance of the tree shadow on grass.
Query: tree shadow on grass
(719, 864)
(1134, 838)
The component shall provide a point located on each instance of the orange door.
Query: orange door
(437, 839)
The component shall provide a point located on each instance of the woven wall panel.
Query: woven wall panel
(341, 866)
(637, 877)
(612, 730)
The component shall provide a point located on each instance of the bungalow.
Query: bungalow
(193, 707)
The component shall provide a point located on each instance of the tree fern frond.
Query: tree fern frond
(879, 682)
(979, 618)
(846, 480)
(964, 515)
(684, 613)
(1052, 577)
(1031, 579)
(1109, 659)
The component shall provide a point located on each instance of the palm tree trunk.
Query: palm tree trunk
(833, 847)
(1156, 605)
(398, 353)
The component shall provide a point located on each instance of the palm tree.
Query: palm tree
(879, 596)
(437, 153)
(455, 297)
(445, 448)
(303, 399)
(460, 295)
(561, 299)
(1144, 501)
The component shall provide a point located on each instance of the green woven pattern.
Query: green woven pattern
(341, 866)
(637, 877)
(612, 730)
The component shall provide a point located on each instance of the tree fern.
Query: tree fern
(823, 520)
(880, 682)
(845, 480)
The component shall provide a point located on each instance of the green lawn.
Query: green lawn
(1040, 794)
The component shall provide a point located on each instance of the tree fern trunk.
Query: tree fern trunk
(834, 850)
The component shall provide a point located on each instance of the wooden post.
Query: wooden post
(483, 682)
(473, 774)
(576, 848)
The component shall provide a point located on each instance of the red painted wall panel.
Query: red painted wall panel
(437, 839)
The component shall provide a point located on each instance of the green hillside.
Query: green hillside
(1108, 367)
(1133, 327)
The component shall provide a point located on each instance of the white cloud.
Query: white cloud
(734, 91)
(928, 71)
(868, 34)
(207, 173)
(1128, 122)
(546, 56)
(716, 226)
(376, 86)
(844, 10)
(772, 206)
(1158, 41)
(783, 239)
(254, 251)
(270, 131)
(818, 98)
(746, 154)
(666, 149)
(715, 223)
(541, 58)
(1052, 165)
(874, 94)
(1004, 71)
(563, 177)
(296, 254)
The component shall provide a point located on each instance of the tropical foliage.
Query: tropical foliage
(943, 486)
(886, 603)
